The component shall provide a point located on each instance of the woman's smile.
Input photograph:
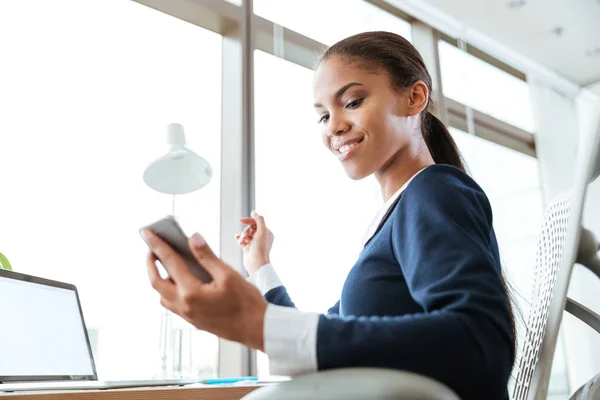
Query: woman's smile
(346, 148)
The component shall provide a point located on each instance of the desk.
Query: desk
(157, 393)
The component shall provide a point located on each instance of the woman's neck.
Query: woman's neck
(399, 170)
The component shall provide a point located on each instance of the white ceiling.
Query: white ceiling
(530, 31)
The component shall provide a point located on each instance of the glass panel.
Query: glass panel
(515, 194)
(296, 196)
(85, 102)
(485, 88)
(314, 18)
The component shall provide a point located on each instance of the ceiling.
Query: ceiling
(562, 35)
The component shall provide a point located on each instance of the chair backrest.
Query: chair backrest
(556, 253)
(551, 242)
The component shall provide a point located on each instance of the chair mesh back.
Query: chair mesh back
(549, 253)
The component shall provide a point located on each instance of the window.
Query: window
(514, 190)
(302, 189)
(317, 214)
(329, 21)
(479, 85)
(88, 89)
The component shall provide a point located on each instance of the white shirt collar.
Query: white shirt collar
(383, 210)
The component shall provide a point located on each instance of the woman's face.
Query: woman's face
(366, 123)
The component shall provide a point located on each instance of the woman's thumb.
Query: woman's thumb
(204, 255)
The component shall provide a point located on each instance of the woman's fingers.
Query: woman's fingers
(165, 287)
(250, 230)
(260, 221)
(168, 257)
(246, 230)
(205, 256)
(244, 236)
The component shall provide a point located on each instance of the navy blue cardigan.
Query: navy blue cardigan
(426, 294)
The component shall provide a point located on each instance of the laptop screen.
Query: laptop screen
(42, 331)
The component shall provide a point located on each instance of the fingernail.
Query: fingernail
(198, 240)
(253, 213)
(144, 234)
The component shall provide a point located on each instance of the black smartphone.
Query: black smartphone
(168, 229)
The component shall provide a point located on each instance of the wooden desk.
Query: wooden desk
(157, 393)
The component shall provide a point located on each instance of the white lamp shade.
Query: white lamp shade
(180, 170)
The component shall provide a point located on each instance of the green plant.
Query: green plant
(4, 264)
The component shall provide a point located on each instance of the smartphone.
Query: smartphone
(168, 229)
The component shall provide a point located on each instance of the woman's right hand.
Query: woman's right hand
(256, 241)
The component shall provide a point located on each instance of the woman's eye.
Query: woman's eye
(323, 119)
(354, 104)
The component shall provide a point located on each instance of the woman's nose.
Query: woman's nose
(338, 127)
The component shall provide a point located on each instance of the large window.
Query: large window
(317, 213)
(88, 88)
(479, 85)
(331, 20)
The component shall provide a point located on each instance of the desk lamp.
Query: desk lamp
(179, 171)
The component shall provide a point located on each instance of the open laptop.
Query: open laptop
(43, 339)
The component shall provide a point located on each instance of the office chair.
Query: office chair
(561, 243)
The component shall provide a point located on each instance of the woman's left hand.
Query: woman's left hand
(229, 306)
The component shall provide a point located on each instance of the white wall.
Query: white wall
(557, 137)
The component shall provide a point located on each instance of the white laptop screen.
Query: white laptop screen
(42, 332)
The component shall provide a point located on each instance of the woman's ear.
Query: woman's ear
(418, 97)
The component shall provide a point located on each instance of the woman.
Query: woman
(426, 293)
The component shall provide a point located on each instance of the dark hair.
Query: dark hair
(405, 66)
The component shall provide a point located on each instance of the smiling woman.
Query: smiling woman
(426, 293)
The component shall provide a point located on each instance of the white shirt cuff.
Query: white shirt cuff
(265, 279)
(290, 340)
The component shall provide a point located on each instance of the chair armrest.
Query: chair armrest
(581, 312)
(588, 391)
(587, 252)
(356, 384)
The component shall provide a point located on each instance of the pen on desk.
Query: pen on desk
(216, 381)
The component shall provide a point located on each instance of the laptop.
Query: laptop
(44, 343)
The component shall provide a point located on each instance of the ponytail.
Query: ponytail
(440, 143)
